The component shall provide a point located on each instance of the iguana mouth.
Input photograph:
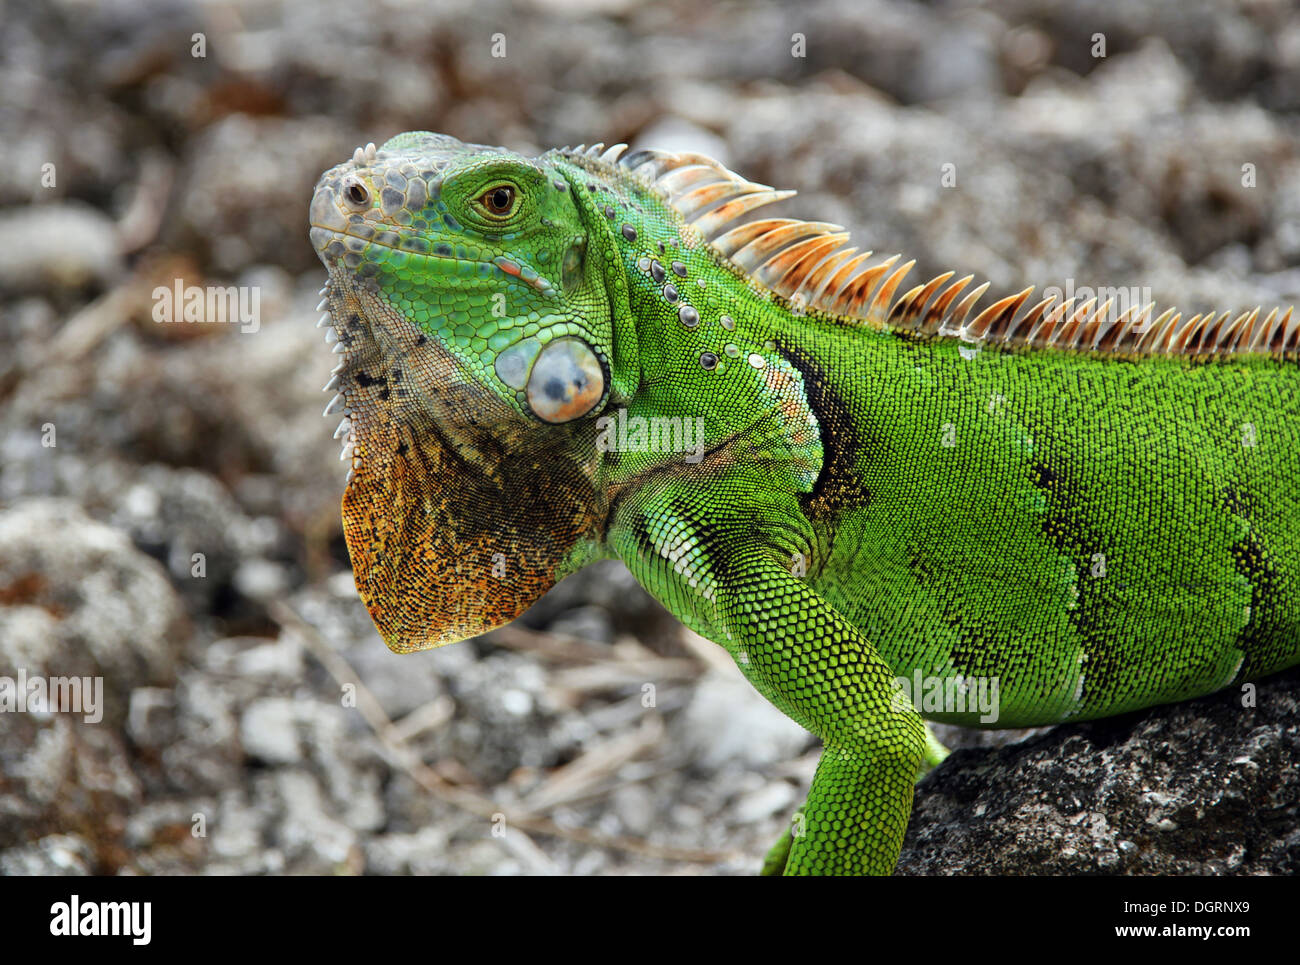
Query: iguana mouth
(327, 237)
(333, 242)
(348, 246)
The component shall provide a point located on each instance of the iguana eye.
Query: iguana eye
(498, 201)
(566, 381)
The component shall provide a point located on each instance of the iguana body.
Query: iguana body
(1096, 515)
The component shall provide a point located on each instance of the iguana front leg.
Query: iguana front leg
(727, 578)
(774, 861)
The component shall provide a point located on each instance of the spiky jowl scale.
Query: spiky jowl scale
(1032, 513)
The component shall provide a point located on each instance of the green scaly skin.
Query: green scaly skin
(1098, 532)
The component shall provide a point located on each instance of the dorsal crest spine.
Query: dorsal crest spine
(812, 264)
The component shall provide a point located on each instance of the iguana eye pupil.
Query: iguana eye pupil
(499, 200)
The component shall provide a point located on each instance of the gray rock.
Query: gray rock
(64, 244)
(421, 853)
(114, 614)
(778, 797)
(151, 719)
(307, 830)
(636, 808)
(55, 854)
(728, 722)
(268, 731)
(236, 830)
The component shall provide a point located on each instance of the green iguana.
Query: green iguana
(876, 502)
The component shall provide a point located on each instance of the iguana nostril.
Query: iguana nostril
(566, 381)
(355, 193)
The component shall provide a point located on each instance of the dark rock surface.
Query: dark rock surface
(1205, 787)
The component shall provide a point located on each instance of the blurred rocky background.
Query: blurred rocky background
(169, 492)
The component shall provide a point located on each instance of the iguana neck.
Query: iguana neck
(602, 274)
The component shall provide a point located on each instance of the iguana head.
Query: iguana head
(483, 249)
(473, 316)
